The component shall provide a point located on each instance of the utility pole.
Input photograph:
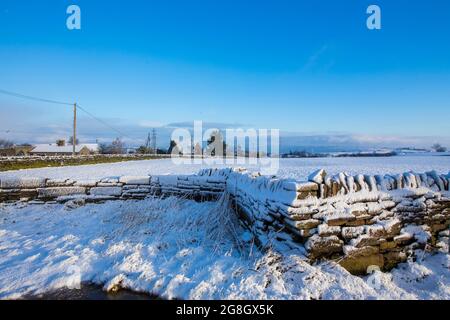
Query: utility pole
(155, 151)
(74, 137)
(148, 141)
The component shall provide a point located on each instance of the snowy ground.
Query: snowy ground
(289, 168)
(181, 249)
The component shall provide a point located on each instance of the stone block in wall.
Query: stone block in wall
(59, 183)
(17, 194)
(386, 245)
(86, 183)
(407, 207)
(339, 219)
(393, 258)
(37, 202)
(106, 191)
(364, 241)
(307, 194)
(323, 191)
(335, 188)
(54, 192)
(359, 209)
(28, 194)
(389, 182)
(357, 223)
(371, 182)
(358, 186)
(352, 232)
(110, 180)
(306, 186)
(437, 180)
(318, 247)
(22, 183)
(418, 180)
(306, 224)
(300, 216)
(342, 178)
(409, 180)
(166, 180)
(363, 217)
(325, 230)
(375, 231)
(425, 180)
(318, 176)
(362, 251)
(446, 181)
(374, 208)
(3, 195)
(137, 190)
(359, 179)
(399, 181)
(437, 227)
(381, 183)
(350, 181)
(109, 184)
(392, 227)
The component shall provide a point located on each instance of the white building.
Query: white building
(54, 149)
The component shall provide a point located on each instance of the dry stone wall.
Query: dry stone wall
(40, 190)
(359, 221)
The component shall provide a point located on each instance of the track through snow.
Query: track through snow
(177, 248)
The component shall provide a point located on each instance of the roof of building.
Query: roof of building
(53, 148)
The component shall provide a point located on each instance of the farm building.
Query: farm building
(55, 149)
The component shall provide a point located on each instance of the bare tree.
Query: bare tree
(6, 143)
(216, 145)
(70, 141)
(438, 148)
(116, 147)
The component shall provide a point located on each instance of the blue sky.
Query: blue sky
(309, 67)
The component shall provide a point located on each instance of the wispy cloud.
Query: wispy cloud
(315, 57)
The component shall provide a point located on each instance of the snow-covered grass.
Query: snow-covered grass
(178, 248)
(289, 168)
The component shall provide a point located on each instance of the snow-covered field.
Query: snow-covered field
(289, 168)
(181, 249)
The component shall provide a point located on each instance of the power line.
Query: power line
(23, 96)
(104, 123)
(19, 95)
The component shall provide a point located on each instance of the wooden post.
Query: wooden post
(74, 136)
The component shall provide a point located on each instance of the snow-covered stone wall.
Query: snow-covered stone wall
(360, 221)
(40, 190)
